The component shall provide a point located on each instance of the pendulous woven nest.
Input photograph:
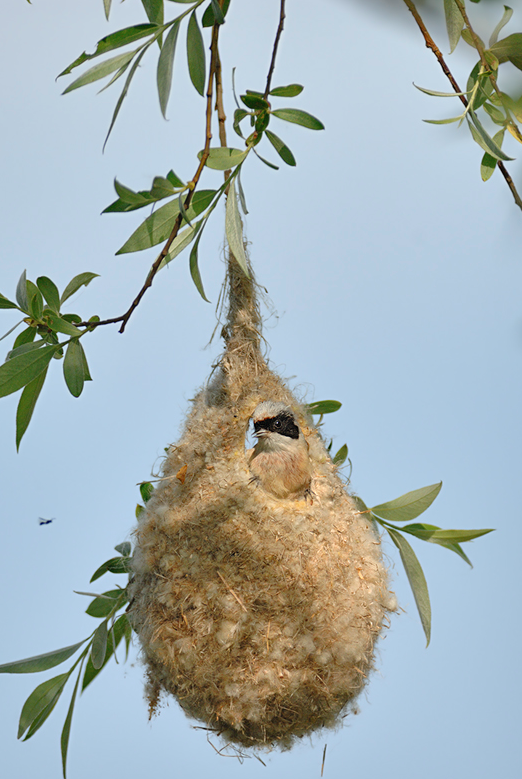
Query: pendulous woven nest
(258, 614)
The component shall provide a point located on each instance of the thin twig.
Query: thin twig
(274, 51)
(430, 44)
(124, 318)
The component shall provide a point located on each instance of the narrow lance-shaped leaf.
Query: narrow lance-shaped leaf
(234, 230)
(180, 242)
(506, 16)
(43, 662)
(110, 42)
(323, 407)
(123, 94)
(26, 405)
(281, 148)
(82, 279)
(481, 137)
(489, 163)
(38, 721)
(22, 369)
(341, 455)
(416, 578)
(102, 605)
(101, 70)
(454, 22)
(99, 645)
(114, 565)
(270, 164)
(213, 13)
(194, 269)
(114, 637)
(21, 293)
(223, 158)
(59, 324)
(196, 54)
(241, 194)
(165, 67)
(50, 292)
(73, 368)
(158, 226)
(66, 732)
(25, 337)
(44, 695)
(298, 117)
(409, 505)
(292, 90)
(5, 303)
(154, 10)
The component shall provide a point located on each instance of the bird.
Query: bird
(279, 461)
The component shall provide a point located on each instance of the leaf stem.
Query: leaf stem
(430, 44)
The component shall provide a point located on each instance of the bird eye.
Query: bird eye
(278, 423)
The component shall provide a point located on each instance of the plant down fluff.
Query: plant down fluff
(259, 614)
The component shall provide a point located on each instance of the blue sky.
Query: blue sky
(394, 276)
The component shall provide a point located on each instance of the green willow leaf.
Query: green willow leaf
(154, 11)
(42, 697)
(59, 324)
(223, 158)
(509, 48)
(113, 41)
(158, 226)
(21, 293)
(292, 90)
(114, 565)
(35, 299)
(409, 505)
(22, 369)
(107, 8)
(43, 662)
(454, 22)
(341, 455)
(416, 578)
(508, 13)
(26, 405)
(180, 242)
(124, 92)
(239, 115)
(124, 548)
(444, 121)
(99, 645)
(66, 732)
(433, 93)
(73, 368)
(50, 292)
(165, 67)
(241, 194)
(27, 336)
(101, 70)
(114, 637)
(104, 604)
(255, 101)
(234, 229)
(281, 148)
(40, 719)
(210, 18)
(5, 303)
(481, 137)
(323, 407)
(194, 268)
(146, 491)
(270, 164)
(196, 54)
(489, 163)
(82, 279)
(298, 117)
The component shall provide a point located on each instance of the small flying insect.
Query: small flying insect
(43, 521)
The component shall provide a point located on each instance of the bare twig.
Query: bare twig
(430, 44)
(274, 51)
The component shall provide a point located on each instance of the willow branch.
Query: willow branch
(124, 318)
(282, 17)
(430, 44)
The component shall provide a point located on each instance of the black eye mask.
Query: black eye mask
(283, 424)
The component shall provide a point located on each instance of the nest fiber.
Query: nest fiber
(259, 614)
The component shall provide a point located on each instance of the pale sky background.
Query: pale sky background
(396, 277)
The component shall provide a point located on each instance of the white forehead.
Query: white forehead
(268, 409)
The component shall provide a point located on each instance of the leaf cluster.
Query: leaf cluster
(482, 92)
(41, 341)
(98, 648)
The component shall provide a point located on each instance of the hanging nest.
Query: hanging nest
(259, 614)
